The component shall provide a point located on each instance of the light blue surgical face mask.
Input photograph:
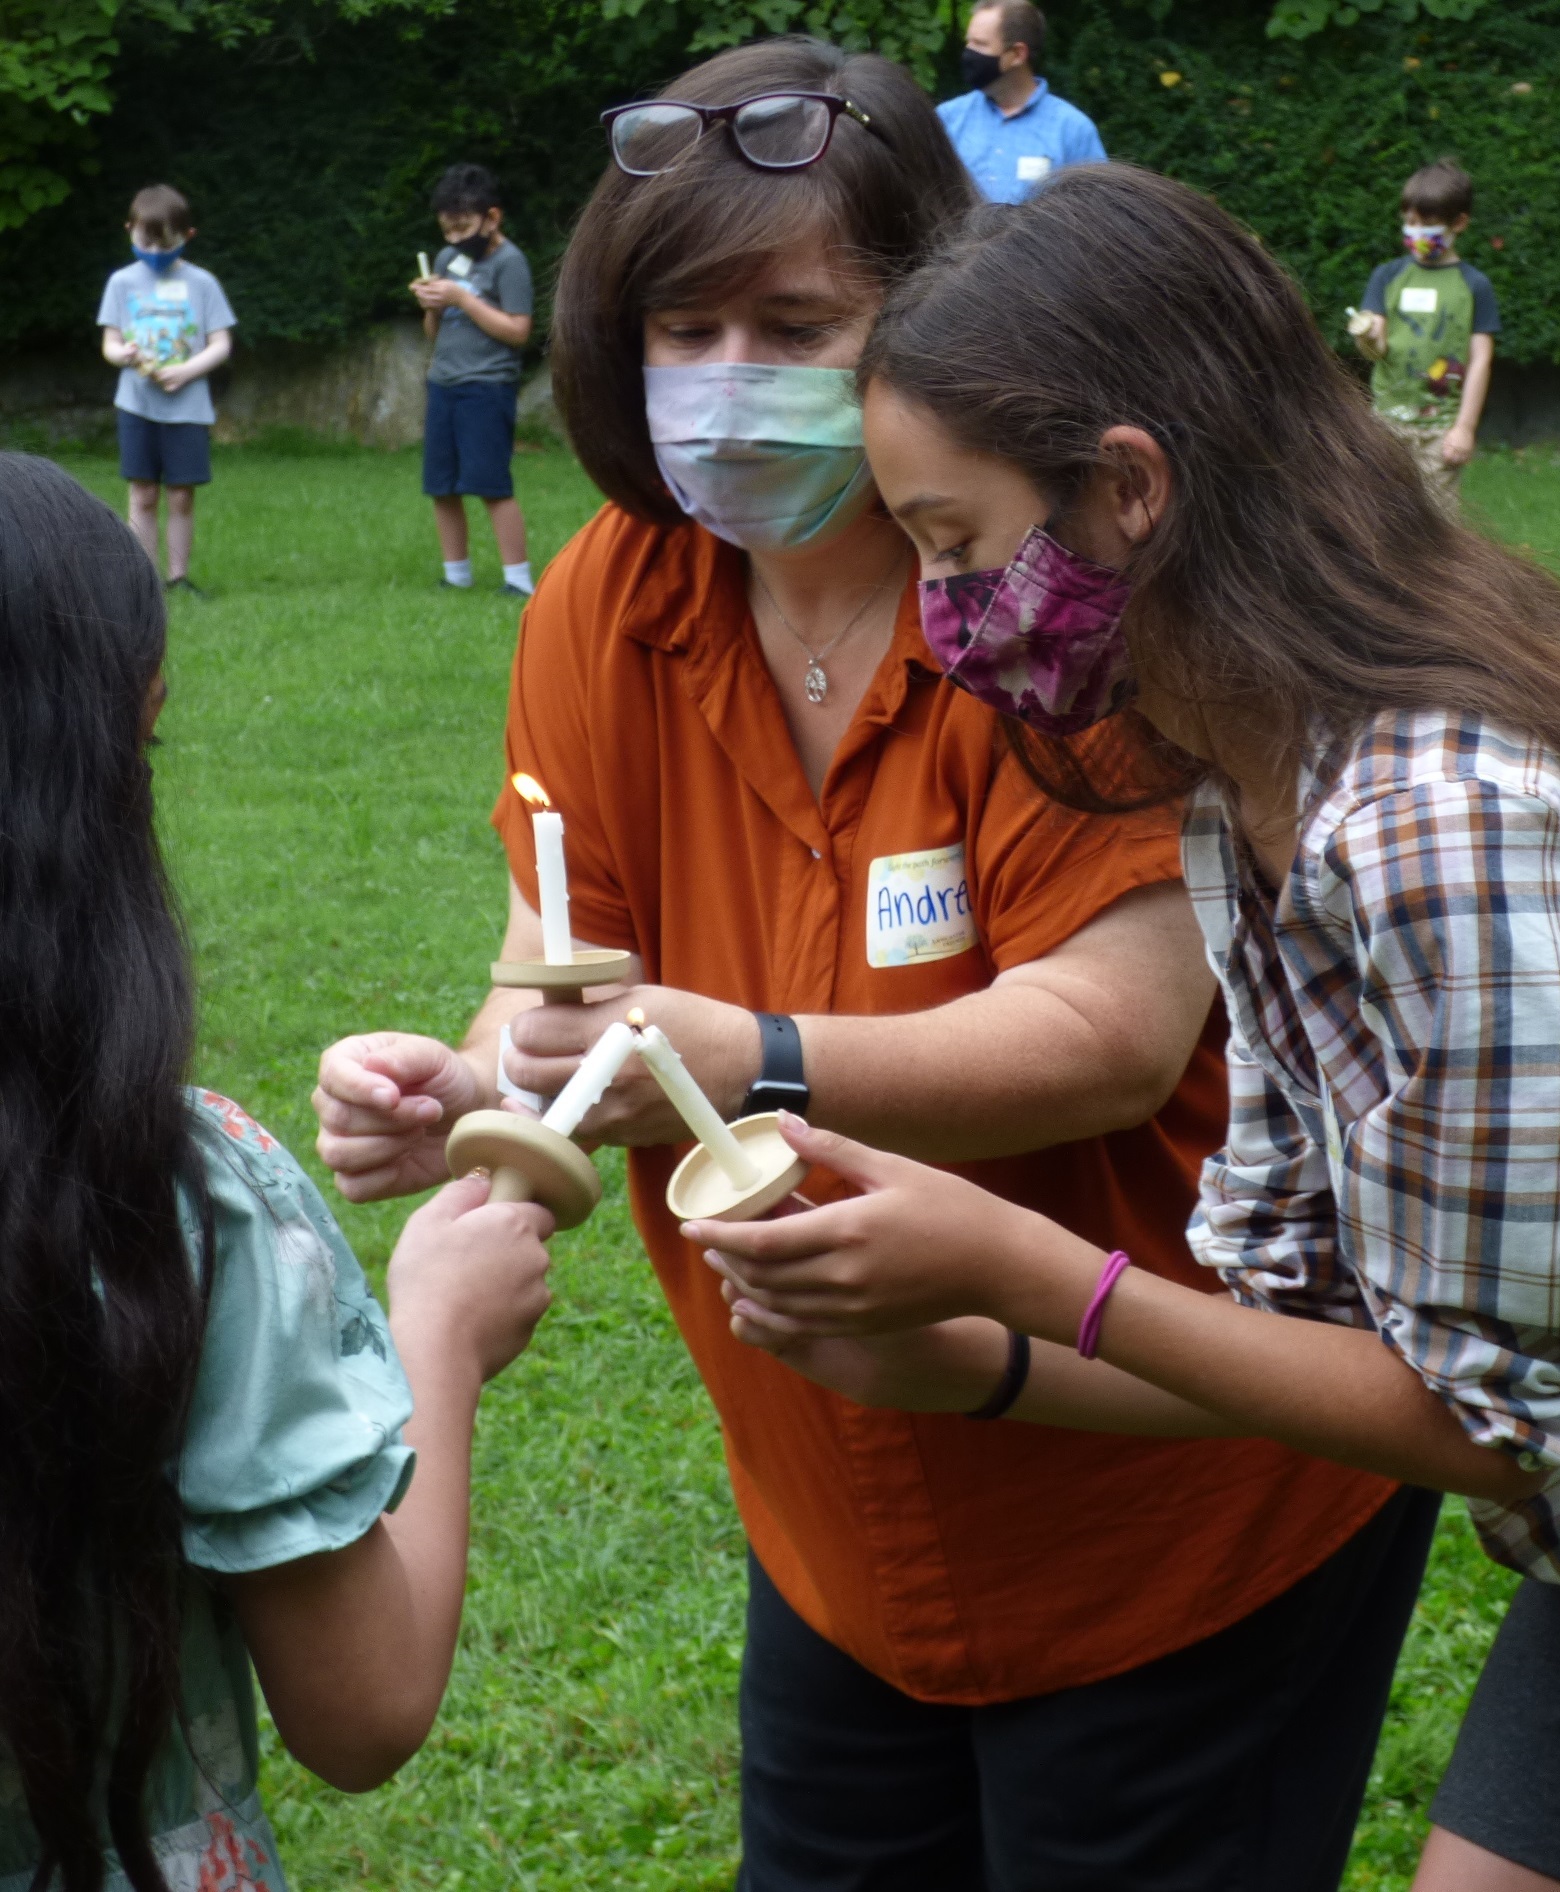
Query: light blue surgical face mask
(765, 457)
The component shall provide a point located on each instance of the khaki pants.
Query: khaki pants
(1440, 479)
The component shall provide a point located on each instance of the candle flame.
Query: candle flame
(529, 789)
(636, 1018)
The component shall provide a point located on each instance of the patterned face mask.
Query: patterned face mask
(1424, 241)
(1039, 638)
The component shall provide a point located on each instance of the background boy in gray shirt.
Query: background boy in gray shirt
(477, 307)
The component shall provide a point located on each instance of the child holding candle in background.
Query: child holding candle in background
(476, 305)
(209, 1434)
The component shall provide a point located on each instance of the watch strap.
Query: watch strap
(781, 1083)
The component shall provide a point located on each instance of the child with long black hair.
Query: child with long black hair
(1146, 495)
(204, 1419)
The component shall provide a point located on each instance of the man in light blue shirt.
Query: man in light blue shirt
(1012, 130)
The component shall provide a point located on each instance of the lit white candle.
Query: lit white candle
(598, 1067)
(553, 880)
(552, 877)
(695, 1109)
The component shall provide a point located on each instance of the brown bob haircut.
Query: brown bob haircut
(714, 223)
(1442, 189)
(163, 213)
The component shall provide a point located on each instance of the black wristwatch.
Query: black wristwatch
(780, 1084)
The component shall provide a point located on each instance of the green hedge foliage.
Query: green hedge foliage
(1309, 142)
(309, 161)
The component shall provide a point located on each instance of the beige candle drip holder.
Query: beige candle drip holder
(563, 985)
(528, 1163)
(701, 1191)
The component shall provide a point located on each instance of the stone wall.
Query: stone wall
(369, 390)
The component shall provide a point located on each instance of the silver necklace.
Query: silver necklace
(815, 681)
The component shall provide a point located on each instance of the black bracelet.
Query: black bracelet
(1012, 1382)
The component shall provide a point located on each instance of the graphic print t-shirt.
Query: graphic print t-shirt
(464, 352)
(1432, 317)
(168, 317)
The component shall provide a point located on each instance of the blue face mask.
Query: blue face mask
(765, 457)
(159, 261)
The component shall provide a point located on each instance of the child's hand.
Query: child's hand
(1457, 447)
(951, 1367)
(438, 292)
(172, 376)
(915, 1248)
(469, 1275)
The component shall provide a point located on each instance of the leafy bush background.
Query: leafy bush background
(308, 139)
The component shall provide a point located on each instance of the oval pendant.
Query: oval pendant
(815, 683)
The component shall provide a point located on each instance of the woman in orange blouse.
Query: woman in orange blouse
(994, 1656)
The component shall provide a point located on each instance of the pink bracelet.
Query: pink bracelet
(1094, 1313)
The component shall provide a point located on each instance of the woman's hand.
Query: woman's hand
(469, 1277)
(951, 1367)
(719, 1043)
(386, 1102)
(917, 1247)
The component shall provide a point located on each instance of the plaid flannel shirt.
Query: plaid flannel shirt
(1394, 1145)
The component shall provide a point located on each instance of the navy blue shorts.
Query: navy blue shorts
(163, 452)
(469, 439)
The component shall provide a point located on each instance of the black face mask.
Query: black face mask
(476, 247)
(980, 69)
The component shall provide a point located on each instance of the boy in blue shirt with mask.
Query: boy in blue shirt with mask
(1011, 130)
(166, 324)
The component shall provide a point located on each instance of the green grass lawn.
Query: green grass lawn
(332, 747)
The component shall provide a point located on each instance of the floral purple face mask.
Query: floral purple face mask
(1039, 638)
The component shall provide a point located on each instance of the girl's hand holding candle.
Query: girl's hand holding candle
(740, 1171)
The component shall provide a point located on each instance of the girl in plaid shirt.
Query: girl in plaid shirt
(1161, 499)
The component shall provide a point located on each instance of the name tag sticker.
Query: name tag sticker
(458, 266)
(1031, 170)
(1419, 301)
(173, 292)
(918, 907)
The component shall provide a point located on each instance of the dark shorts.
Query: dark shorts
(1236, 1765)
(469, 439)
(163, 452)
(1502, 1790)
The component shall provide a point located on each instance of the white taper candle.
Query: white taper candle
(695, 1109)
(553, 881)
(598, 1067)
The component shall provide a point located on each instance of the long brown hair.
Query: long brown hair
(1302, 578)
(645, 243)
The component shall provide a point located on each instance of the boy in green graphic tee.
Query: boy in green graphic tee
(1433, 328)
